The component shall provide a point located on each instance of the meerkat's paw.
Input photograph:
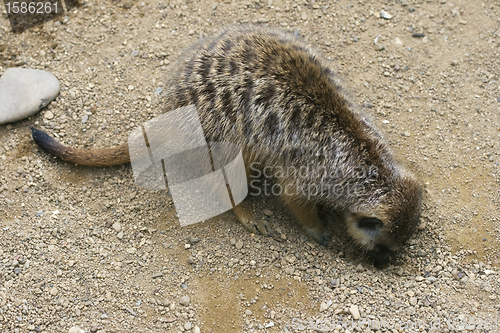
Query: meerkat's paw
(251, 228)
(246, 219)
(264, 228)
(323, 237)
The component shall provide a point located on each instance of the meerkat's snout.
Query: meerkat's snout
(380, 255)
(373, 235)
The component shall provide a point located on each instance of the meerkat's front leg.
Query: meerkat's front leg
(307, 214)
(243, 210)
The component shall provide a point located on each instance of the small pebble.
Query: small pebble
(268, 212)
(76, 329)
(48, 115)
(117, 226)
(239, 244)
(128, 4)
(324, 306)
(385, 15)
(184, 301)
(431, 279)
(354, 310)
(194, 240)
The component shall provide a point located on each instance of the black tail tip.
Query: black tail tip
(41, 138)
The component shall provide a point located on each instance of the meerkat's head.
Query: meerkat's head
(383, 224)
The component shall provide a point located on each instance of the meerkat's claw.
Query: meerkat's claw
(322, 237)
(251, 228)
(246, 218)
(264, 228)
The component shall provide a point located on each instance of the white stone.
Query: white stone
(385, 15)
(184, 300)
(76, 329)
(117, 226)
(354, 310)
(23, 92)
(48, 115)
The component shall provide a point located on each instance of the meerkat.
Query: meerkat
(274, 97)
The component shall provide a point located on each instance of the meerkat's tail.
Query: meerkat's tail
(96, 158)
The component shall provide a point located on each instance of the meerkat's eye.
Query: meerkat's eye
(370, 224)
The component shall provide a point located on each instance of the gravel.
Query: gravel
(85, 249)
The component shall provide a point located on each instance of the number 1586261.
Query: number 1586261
(38, 7)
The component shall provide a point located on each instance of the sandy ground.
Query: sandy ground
(86, 248)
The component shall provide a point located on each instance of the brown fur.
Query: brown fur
(97, 158)
(271, 95)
